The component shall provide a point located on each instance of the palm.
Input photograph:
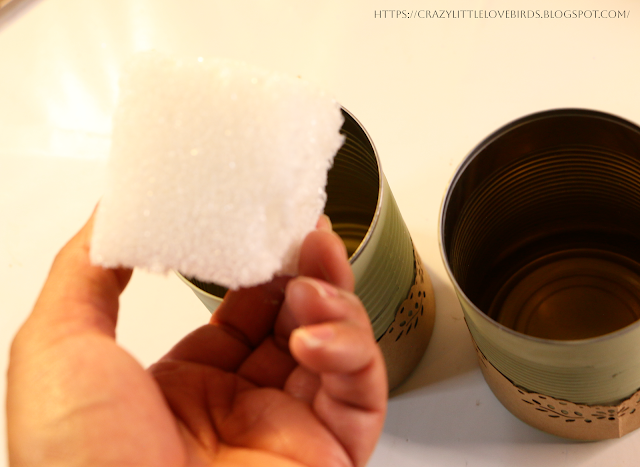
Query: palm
(237, 391)
(231, 420)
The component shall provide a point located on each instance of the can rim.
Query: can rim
(376, 214)
(456, 177)
(195, 288)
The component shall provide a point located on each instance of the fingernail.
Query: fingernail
(315, 336)
(323, 288)
(325, 223)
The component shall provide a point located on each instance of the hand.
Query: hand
(285, 374)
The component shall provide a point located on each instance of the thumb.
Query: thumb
(77, 296)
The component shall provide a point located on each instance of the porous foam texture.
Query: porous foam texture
(217, 169)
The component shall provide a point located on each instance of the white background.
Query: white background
(427, 90)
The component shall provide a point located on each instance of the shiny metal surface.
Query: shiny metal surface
(539, 232)
(358, 195)
(570, 295)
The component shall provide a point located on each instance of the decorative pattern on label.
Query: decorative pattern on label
(407, 337)
(561, 417)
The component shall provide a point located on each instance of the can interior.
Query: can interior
(541, 228)
(353, 185)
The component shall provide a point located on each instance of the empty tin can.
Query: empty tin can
(540, 234)
(390, 279)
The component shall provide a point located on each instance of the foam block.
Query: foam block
(217, 170)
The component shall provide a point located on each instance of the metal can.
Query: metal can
(539, 233)
(390, 279)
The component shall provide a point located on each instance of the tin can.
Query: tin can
(390, 279)
(539, 233)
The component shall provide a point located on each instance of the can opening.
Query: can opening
(541, 227)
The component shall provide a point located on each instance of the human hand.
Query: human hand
(285, 374)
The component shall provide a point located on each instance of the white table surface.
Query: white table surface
(427, 90)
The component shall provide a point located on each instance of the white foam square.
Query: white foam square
(217, 169)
